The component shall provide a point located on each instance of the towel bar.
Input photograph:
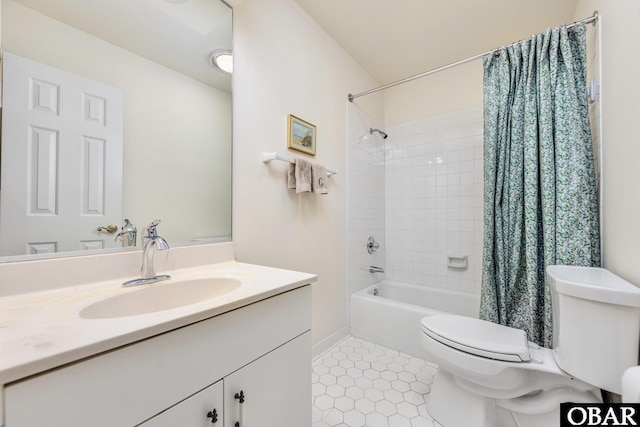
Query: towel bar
(267, 157)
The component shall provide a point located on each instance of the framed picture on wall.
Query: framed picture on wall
(301, 135)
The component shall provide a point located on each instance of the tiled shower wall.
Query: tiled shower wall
(419, 193)
(366, 201)
(433, 198)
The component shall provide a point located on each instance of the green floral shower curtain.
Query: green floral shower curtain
(540, 204)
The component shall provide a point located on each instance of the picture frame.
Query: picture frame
(301, 135)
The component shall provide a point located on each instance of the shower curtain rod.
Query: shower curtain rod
(592, 19)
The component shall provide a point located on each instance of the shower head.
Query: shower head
(382, 134)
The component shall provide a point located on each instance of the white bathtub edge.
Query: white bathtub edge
(392, 323)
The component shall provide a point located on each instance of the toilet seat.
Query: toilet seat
(478, 337)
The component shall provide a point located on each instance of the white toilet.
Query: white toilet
(490, 376)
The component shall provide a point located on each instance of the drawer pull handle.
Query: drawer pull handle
(213, 415)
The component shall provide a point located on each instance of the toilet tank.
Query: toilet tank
(596, 324)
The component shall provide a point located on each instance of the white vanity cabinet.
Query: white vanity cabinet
(272, 391)
(176, 378)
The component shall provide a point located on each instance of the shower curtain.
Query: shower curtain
(540, 204)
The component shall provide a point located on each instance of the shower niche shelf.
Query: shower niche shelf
(459, 262)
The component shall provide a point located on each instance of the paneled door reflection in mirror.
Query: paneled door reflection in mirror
(62, 158)
(175, 154)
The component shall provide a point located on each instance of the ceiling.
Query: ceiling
(179, 35)
(394, 39)
(391, 39)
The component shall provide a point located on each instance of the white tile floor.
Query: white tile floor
(357, 383)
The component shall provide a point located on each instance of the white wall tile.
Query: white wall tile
(366, 199)
(433, 194)
(419, 193)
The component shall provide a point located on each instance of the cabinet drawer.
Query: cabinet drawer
(127, 386)
(203, 409)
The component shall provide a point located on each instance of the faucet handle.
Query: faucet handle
(372, 245)
(150, 231)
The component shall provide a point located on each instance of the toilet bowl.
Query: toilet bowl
(491, 379)
(491, 376)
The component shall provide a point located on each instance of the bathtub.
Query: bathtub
(392, 317)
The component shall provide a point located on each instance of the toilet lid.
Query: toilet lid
(478, 337)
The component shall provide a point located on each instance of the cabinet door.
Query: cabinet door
(276, 388)
(203, 409)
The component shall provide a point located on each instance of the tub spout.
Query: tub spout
(374, 269)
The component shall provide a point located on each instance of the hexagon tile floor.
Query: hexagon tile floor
(357, 383)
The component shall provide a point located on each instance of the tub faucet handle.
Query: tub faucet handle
(372, 245)
(374, 269)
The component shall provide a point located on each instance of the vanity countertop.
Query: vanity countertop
(43, 330)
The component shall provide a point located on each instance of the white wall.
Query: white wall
(169, 118)
(286, 64)
(620, 33)
(454, 89)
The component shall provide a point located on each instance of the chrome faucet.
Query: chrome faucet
(151, 243)
(127, 234)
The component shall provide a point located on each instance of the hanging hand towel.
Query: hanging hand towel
(303, 176)
(319, 179)
(291, 176)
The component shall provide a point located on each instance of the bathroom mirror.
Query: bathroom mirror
(141, 73)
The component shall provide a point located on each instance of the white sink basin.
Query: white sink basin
(159, 296)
